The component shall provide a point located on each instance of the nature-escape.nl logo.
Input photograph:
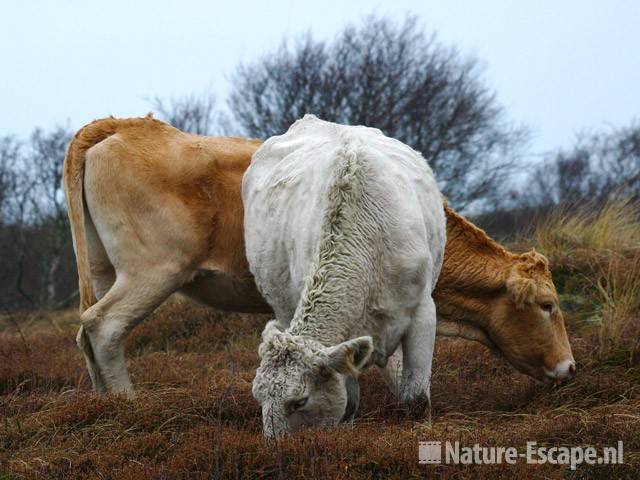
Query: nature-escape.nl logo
(534, 454)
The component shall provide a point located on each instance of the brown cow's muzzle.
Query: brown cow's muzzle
(563, 370)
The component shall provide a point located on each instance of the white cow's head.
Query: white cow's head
(302, 383)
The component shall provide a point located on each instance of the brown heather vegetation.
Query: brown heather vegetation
(194, 416)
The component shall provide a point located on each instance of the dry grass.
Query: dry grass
(618, 287)
(590, 231)
(194, 416)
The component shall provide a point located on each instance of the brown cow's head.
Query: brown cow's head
(526, 323)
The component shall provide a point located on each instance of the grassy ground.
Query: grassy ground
(194, 416)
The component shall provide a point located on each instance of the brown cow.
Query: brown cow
(154, 210)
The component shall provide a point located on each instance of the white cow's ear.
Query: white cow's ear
(350, 357)
(270, 329)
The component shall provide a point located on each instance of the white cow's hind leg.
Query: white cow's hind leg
(417, 354)
(107, 323)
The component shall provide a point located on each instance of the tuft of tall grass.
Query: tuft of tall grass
(618, 288)
(590, 231)
(595, 253)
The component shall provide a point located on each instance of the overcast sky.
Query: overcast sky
(557, 66)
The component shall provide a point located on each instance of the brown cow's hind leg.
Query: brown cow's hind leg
(107, 323)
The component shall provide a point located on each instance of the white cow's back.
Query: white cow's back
(285, 193)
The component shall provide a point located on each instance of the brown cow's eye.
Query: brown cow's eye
(547, 307)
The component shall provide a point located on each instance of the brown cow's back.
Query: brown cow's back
(152, 167)
(152, 188)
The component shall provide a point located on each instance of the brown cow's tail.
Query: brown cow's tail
(73, 177)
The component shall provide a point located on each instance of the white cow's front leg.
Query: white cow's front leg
(417, 354)
(392, 372)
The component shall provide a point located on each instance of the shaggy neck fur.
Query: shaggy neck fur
(474, 272)
(335, 295)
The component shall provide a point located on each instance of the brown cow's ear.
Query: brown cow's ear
(535, 260)
(350, 357)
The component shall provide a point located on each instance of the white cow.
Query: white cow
(345, 234)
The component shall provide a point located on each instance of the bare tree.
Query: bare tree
(38, 264)
(10, 181)
(600, 166)
(393, 77)
(16, 212)
(618, 157)
(194, 113)
(46, 159)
